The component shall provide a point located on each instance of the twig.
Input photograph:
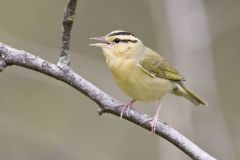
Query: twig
(68, 19)
(10, 56)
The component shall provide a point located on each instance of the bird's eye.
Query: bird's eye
(117, 40)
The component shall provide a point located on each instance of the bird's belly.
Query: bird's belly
(141, 86)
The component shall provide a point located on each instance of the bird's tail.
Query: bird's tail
(190, 95)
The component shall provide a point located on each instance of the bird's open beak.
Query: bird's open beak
(102, 40)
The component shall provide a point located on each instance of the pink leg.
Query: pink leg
(155, 119)
(127, 106)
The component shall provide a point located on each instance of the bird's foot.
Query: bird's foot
(127, 106)
(154, 124)
(155, 119)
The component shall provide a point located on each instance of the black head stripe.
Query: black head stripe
(128, 40)
(121, 33)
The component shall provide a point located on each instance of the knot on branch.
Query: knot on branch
(101, 111)
(69, 19)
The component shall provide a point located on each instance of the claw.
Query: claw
(127, 106)
(154, 124)
(124, 107)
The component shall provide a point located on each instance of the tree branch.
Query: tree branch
(68, 19)
(10, 56)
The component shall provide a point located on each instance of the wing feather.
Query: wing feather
(155, 65)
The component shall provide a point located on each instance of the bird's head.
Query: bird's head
(119, 44)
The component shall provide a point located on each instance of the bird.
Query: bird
(142, 73)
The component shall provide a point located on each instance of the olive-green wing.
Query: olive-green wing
(156, 66)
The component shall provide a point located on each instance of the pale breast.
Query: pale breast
(139, 85)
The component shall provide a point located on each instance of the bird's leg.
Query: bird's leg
(155, 119)
(127, 106)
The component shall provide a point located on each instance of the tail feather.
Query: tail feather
(190, 95)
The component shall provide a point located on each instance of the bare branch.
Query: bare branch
(10, 56)
(2, 63)
(68, 19)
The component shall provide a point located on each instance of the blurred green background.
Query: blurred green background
(42, 118)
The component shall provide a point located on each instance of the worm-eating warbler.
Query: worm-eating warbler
(140, 72)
